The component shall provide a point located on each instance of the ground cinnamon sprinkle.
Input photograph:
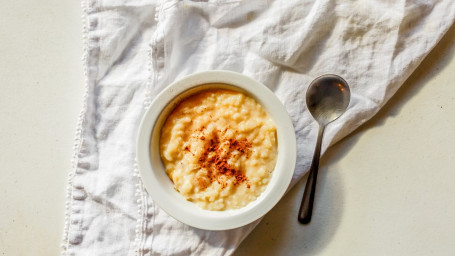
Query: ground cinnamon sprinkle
(215, 160)
(188, 149)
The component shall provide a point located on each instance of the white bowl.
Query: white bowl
(161, 188)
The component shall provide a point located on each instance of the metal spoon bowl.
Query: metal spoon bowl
(327, 98)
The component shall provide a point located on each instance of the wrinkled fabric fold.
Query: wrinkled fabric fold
(135, 48)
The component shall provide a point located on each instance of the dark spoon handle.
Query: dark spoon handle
(306, 207)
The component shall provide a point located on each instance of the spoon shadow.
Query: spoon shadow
(279, 226)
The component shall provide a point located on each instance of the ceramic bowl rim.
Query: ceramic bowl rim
(151, 169)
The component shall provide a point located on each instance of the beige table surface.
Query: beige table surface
(388, 189)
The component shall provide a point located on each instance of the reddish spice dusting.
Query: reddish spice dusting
(188, 149)
(215, 160)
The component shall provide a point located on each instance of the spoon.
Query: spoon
(327, 98)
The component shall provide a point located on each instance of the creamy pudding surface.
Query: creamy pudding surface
(219, 148)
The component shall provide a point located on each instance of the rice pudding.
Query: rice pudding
(219, 148)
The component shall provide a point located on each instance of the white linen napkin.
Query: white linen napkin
(135, 48)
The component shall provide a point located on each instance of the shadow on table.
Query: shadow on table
(279, 233)
(272, 235)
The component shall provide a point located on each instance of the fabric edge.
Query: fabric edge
(398, 85)
(78, 135)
